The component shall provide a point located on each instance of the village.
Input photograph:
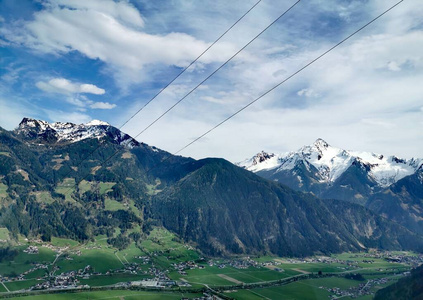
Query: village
(147, 272)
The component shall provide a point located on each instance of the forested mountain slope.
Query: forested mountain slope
(79, 181)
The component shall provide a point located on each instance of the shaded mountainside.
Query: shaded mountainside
(390, 186)
(402, 202)
(408, 288)
(353, 185)
(226, 209)
(131, 186)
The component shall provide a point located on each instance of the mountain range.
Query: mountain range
(58, 132)
(79, 181)
(388, 185)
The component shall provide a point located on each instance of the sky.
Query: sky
(78, 60)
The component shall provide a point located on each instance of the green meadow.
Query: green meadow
(4, 234)
(119, 295)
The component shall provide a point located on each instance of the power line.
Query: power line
(194, 61)
(217, 70)
(287, 78)
(168, 84)
(277, 85)
(196, 87)
(267, 92)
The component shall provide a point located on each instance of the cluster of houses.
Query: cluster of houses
(31, 250)
(357, 291)
(394, 256)
(144, 259)
(59, 282)
(66, 280)
(243, 263)
(206, 296)
(181, 267)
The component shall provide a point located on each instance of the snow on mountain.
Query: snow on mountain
(332, 162)
(70, 132)
(96, 123)
(260, 161)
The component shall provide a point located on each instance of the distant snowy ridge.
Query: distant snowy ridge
(332, 162)
(69, 132)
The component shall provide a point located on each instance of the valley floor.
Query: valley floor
(161, 267)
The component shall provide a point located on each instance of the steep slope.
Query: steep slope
(38, 174)
(58, 132)
(226, 209)
(402, 202)
(222, 208)
(328, 163)
(390, 186)
(408, 288)
(18, 163)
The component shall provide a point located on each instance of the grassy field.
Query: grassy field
(152, 189)
(313, 267)
(44, 197)
(102, 260)
(23, 261)
(84, 186)
(60, 242)
(20, 285)
(66, 187)
(106, 187)
(297, 290)
(213, 275)
(360, 258)
(36, 274)
(307, 289)
(113, 205)
(2, 289)
(4, 234)
(333, 282)
(103, 187)
(164, 249)
(171, 251)
(3, 190)
(119, 295)
(128, 255)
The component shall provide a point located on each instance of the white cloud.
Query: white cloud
(91, 89)
(64, 116)
(120, 10)
(73, 91)
(64, 86)
(76, 101)
(365, 107)
(102, 105)
(367, 92)
(106, 30)
(307, 93)
(393, 66)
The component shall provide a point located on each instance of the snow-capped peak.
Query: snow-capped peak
(321, 144)
(97, 123)
(259, 161)
(332, 162)
(69, 132)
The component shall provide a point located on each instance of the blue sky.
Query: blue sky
(77, 60)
